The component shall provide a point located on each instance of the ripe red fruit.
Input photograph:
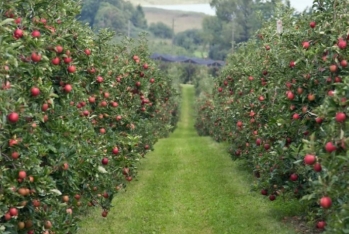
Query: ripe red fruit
(44, 107)
(266, 146)
(59, 49)
(99, 79)
(294, 177)
(18, 33)
(22, 174)
(68, 88)
(309, 159)
(115, 150)
(292, 64)
(340, 117)
(329, 147)
(220, 89)
(272, 197)
(71, 69)
(145, 66)
(326, 202)
(258, 141)
(261, 98)
(105, 161)
(35, 57)
(129, 178)
(321, 224)
(295, 116)
(333, 68)
(342, 44)
(290, 95)
(305, 45)
(55, 61)
(264, 192)
(13, 211)
(67, 60)
(102, 130)
(267, 47)
(104, 213)
(152, 80)
(18, 20)
(13, 117)
(15, 155)
(91, 99)
(317, 167)
(312, 24)
(239, 124)
(344, 63)
(35, 91)
(318, 120)
(36, 34)
(87, 52)
(118, 118)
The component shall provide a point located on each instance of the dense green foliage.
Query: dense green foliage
(77, 114)
(282, 104)
(161, 30)
(113, 14)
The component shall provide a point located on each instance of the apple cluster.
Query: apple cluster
(78, 113)
(282, 105)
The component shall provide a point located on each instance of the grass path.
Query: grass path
(189, 185)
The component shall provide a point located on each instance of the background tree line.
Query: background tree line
(234, 18)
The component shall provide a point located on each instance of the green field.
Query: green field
(182, 20)
(166, 2)
(190, 185)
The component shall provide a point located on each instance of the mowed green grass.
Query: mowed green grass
(190, 185)
(182, 20)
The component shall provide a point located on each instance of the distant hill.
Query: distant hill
(182, 20)
(166, 2)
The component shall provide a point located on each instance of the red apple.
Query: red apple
(55, 61)
(13, 211)
(68, 88)
(99, 79)
(292, 64)
(342, 44)
(105, 161)
(330, 147)
(264, 192)
(321, 224)
(326, 202)
(87, 52)
(35, 91)
(290, 95)
(317, 167)
(312, 24)
(340, 117)
(294, 177)
(59, 49)
(71, 69)
(35, 57)
(13, 117)
(22, 174)
(115, 150)
(309, 159)
(305, 45)
(344, 63)
(272, 197)
(18, 33)
(295, 116)
(36, 34)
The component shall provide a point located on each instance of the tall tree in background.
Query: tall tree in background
(138, 18)
(241, 18)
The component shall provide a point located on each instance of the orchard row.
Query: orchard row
(282, 104)
(78, 112)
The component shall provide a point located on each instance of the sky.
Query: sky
(299, 5)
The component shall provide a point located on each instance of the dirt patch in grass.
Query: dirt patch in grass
(300, 225)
